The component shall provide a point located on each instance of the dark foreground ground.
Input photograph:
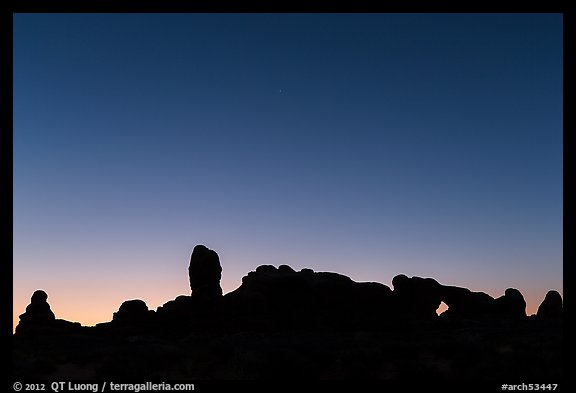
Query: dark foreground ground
(528, 353)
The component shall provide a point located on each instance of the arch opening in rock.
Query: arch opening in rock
(443, 307)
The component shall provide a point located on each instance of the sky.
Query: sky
(365, 144)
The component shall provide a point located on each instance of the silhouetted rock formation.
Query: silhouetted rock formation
(464, 304)
(416, 297)
(38, 313)
(551, 308)
(39, 318)
(270, 297)
(511, 305)
(205, 273)
(285, 269)
(132, 312)
(281, 323)
(176, 316)
(264, 269)
(419, 298)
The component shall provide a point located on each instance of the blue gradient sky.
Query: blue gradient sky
(369, 145)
